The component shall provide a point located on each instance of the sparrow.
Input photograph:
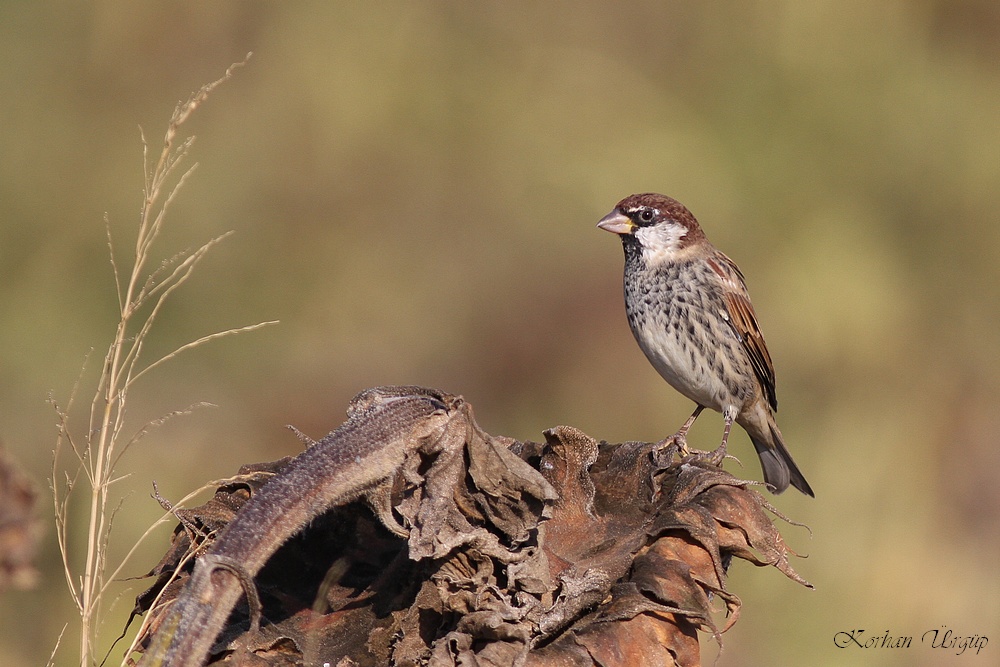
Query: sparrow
(689, 310)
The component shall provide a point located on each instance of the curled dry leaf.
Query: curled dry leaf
(469, 549)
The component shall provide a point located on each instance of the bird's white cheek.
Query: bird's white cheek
(660, 243)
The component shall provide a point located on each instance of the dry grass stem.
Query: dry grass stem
(141, 296)
(55, 649)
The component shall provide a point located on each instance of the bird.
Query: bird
(689, 309)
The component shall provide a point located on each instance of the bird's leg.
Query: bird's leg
(680, 438)
(719, 455)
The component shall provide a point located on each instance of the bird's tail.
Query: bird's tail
(779, 468)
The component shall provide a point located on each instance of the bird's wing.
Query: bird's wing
(743, 320)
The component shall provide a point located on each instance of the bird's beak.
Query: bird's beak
(616, 222)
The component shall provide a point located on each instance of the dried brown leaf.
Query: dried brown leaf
(571, 552)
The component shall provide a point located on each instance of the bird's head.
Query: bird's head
(661, 226)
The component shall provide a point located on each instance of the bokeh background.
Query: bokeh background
(414, 189)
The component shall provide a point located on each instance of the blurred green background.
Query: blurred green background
(414, 190)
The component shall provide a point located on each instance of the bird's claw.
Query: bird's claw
(718, 456)
(676, 444)
(714, 457)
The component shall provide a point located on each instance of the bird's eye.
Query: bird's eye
(646, 215)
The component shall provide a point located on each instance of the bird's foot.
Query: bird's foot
(676, 444)
(715, 457)
(718, 456)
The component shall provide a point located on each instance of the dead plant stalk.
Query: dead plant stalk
(140, 300)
